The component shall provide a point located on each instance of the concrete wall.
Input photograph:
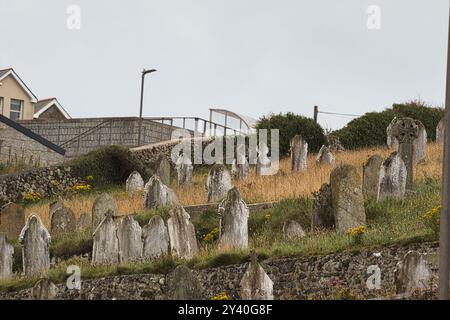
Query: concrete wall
(10, 89)
(80, 136)
(16, 147)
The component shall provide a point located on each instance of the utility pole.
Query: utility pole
(444, 246)
(144, 72)
(316, 112)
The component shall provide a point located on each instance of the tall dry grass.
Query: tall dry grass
(256, 188)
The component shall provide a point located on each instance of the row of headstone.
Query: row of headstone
(340, 204)
(123, 240)
(255, 283)
(384, 179)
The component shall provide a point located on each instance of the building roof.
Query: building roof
(43, 105)
(250, 122)
(10, 72)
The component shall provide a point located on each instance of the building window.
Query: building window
(15, 110)
(1, 105)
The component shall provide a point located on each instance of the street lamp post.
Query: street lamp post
(444, 245)
(144, 72)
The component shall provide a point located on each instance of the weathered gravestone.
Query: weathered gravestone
(233, 221)
(83, 222)
(293, 230)
(103, 206)
(240, 167)
(129, 234)
(299, 153)
(184, 169)
(412, 274)
(163, 169)
(322, 214)
(347, 198)
(420, 144)
(218, 183)
(35, 241)
(371, 177)
(63, 221)
(134, 184)
(12, 220)
(184, 285)
(6, 258)
(405, 131)
(440, 131)
(183, 243)
(325, 157)
(156, 238)
(105, 249)
(263, 162)
(44, 289)
(55, 205)
(256, 284)
(393, 176)
(157, 194)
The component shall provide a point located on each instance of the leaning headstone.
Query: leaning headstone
(347, 198)
(183, 243)
(256, 284)
(406, 132)
(299, 153)
(218, 183)
(392, 180)
(263, 162)
(325, 157)
(420, 144)
(440, 130)
(103, 206)
(371, 177)
(234, 214)
(412, 274)
(44, 289)
(322, 214)
(134, 184)
(12, 220)
(105, 249)
(83, 222)
(184, 285)
(156, 238)
(157, 194)
(184, 170)
(293, 230)
(129, 234)
(163, 169)
(63, 221)
(35, 241)
(6, 258)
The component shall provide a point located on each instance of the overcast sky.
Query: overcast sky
(250, 56)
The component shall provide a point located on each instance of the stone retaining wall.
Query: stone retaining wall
(315, 277)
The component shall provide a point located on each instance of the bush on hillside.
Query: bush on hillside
(290, 125)
(370, 129)
(109, 165)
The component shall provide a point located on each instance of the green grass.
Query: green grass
(388, 222)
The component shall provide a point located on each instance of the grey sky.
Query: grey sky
(251, 56)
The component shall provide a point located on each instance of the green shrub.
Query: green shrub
(290, 125)
(109, 165)
(370, 129)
